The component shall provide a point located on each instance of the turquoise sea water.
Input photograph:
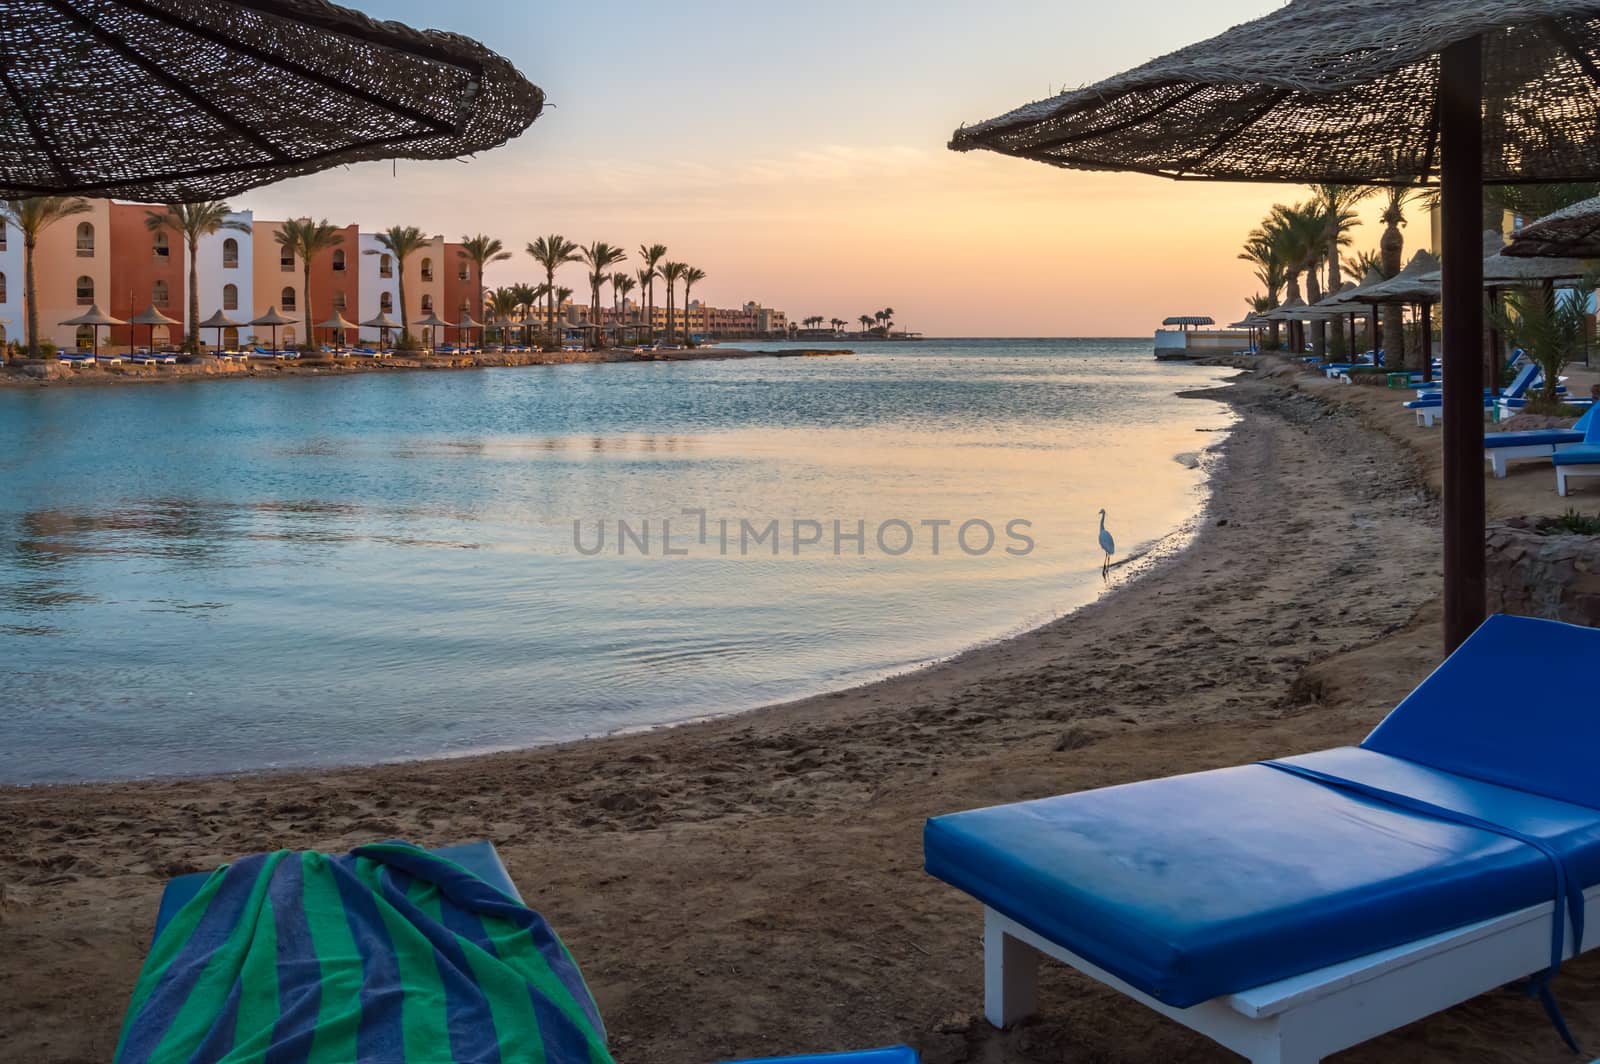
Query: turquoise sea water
(234, 575)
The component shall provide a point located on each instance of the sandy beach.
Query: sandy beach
(753, 885)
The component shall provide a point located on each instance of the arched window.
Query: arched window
(286, 299)
(230, 338)
(427, 305)
(3, 228)
(85, 240)
(159, 294)
(464, 311)
(286, 259)
(340, 304)
(230, 297)
(162, 246)
(385, 266)
(464, 271)
(288, 336)
(338, 259)
(2, 288)
(84, 337)
(160, 337)
(230, 254)
(386, 304)
(85, 291)
(427, 269)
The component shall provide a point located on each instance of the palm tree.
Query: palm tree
(1531, 202)
(553, 252)
(645, 276)
(670, 273)
(559, 297)
(481, 250)
(32, 217)
(692, 275)
(1362, 263)
(503, 304)
(652, 255)
(600, 257)
(866, 323)
(621, 285)
(401, 241)
(1338, 203)
(193, 221)
(1391, 250)
(1261, 250)
(307, 239)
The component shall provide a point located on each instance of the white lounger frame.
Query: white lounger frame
(1577, 472)
(1502, 457)
(1305, 1018)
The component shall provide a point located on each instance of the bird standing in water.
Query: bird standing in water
(1108, 545)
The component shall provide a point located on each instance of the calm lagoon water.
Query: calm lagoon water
(235, 575)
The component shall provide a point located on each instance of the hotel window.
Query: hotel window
(286, 299)
(2, 288)
(84, 337)
(288, 336)
(386, 304)
(85, 240)
(230, 297)
(385, 266)
(3, 228)
(159, 294)
(286, 260)
(338, 260)
(427, 305)
(339, 303)
(230, 254)
(463, 271)
(427, 269)
(463, 312)
(230, 338)
(162, 246)
(85, 291)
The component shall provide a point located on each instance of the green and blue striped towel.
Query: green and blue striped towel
(389, 954)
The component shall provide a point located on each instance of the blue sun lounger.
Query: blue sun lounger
(390, 954)
(1582, 460)
(1291, 909)
(1501, 448)
(1430, 407)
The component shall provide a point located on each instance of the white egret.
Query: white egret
(1107, 544)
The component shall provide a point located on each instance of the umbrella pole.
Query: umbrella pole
(1461, 204)
(1427, 341)
(1495, 348)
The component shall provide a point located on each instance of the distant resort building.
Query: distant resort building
(109, 258)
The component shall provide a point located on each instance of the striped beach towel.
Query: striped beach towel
(389, 955)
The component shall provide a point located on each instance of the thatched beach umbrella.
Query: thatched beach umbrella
(1452, 92)
(433, 322)
(220, 321)
(152, 317)
(384, 324)
(1417, 285)
(95, 318)
(1572, 231)
(466, 325)
(272, 319)
(254, 91)
(337, 324)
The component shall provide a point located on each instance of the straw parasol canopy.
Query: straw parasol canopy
(433, 322)
(1572, 231)
(220, 321)
(337, 324)
(1501, 270)
(152, 317)
(255, 91)
(272, 320)
(1410, 285)
(96, 319)
(1343, 91)
(1451, 92)
(384, 324)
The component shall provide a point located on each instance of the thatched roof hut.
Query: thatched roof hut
(1573, 231)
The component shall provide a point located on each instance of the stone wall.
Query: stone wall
(1534, 574)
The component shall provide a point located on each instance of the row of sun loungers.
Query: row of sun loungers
(1287, 910)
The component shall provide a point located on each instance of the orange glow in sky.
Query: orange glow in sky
(798, 157)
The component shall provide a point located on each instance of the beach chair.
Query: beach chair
(389, 950)
(1502, 448)
(1292, 909)
(73, 358)
(1430, 407)
(1579, 461)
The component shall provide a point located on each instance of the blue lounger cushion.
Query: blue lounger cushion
(480, 858)
(1203, 885)
(891, 1055)
(1541, 437)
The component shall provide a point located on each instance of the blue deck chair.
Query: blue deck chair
(1580, 461)
(562, 1007)
(1430, 408)
(1291, 909)
(1501, 448)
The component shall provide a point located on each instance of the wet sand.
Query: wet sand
(753, 885)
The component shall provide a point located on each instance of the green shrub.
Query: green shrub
(47, 349)
(1572, 523)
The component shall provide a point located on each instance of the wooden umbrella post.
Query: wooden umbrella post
(1461, 207)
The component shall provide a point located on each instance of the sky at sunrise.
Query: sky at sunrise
(796, 153)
